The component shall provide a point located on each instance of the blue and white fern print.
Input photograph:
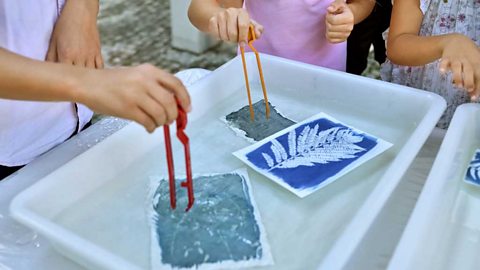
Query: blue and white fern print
(312, 147)
(311, 154)
(473, 172)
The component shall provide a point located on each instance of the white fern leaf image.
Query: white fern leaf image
(312, 136)
(295, 162)
(473, 172)
(276, 151)
(281, 150)
(313, 147)
(322, 136)
(311, 154)
(302, 139)
(268, 159)
(292, 142)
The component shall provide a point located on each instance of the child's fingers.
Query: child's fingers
(154, 110)
(456, 67)
(336, 7)
(141, 117)
(337, 35)
(468, 77)
(90, 63)
(333, 9)
(339, 19)
(331, 19)
(232, 24)
(213, 27)
(166, 100)
(476, 95)
(477, 79)
(258, 28)
(336, 40)
(172, 84)
(222, 26)
(99, 61)
(65, 60)
(444, 65)
(343, 28)
(79, 62)
(243, 25)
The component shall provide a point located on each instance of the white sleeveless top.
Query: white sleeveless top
(29, 129)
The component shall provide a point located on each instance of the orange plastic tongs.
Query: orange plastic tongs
(251, 39)
(188, 183)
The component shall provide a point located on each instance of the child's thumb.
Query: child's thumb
(336, 7)
(258, 28)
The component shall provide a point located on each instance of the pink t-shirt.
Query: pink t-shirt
(29, 129)
(295, 29)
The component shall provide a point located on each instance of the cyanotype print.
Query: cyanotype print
(222, 230)
(311, 154)
(473, 172)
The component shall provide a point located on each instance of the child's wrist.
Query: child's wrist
(90, 7)
(72, 84)
(451, 39)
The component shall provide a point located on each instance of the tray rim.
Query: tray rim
(418, 220)
(358, 227)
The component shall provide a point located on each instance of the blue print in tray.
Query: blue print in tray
(473, 172)
(223, 230)
(307, 156)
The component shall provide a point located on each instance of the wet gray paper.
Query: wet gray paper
(261, 127)
(222, 230)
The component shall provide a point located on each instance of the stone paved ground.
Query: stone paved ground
(138, 31)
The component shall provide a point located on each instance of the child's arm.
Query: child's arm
(226, 19)
(144, 94)
(342, 16)
(75, 39)
(405, 47)
(361, 9)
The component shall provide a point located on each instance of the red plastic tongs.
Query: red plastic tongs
(188, 183)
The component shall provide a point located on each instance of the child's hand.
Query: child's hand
(232, 25)
(144, 94)
(75, 39)
(339, 22)
(462, 57)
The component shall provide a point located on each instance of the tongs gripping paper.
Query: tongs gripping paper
(182, 136)
(251, 39)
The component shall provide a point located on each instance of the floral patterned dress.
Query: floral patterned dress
(440, 17)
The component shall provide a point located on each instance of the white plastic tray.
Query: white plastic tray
(380, 240)
(444, 229)
(93, 208)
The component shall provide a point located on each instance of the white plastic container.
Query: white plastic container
(93, 208)
(380, 240)
(444, 229)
